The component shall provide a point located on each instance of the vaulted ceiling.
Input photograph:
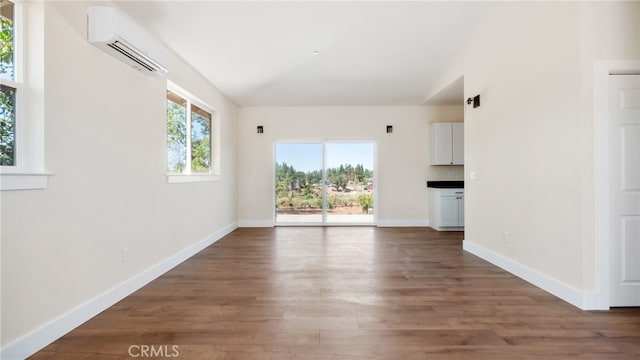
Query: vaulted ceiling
(314, 53)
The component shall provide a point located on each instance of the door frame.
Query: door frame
(603, 70)
(324, 175)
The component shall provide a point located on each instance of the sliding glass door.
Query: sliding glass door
(299, 190)
(349, 170)
(324, 183)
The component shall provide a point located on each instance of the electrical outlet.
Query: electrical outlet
(450, 175)
(125, 255)
(505, 237)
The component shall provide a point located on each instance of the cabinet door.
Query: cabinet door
(441, 138)
(458, 143)
(461, 211)
(449, 211)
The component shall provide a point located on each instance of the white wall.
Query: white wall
(106, 144)
(531, 143)
(402, 157)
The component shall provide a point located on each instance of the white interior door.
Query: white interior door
(624, 162)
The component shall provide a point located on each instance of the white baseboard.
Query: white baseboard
(46, 334)
(594, 300)
(255, 223)
(580, 299)
(403, 222)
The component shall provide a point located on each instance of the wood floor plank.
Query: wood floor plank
(348, 293)
(410, 337)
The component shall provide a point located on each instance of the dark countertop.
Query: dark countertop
(446, 184)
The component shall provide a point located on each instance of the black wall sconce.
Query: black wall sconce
(389, 129)
(475, 101)
(260, 129)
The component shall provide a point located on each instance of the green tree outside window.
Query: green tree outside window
(7, 92)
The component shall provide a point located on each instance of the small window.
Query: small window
(8, 86)
(21, 102)
(189, 136)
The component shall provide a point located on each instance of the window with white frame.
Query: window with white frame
(21, 97)
(9, 87)
(190, 127)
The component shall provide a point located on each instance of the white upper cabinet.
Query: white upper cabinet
(447, 144)
(441, 144)
(457, 149)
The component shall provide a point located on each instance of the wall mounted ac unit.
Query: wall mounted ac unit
(125, 40)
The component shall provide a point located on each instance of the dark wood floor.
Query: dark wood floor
(347, 293)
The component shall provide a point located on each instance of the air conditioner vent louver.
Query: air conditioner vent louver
(125, 40)
(135, 57)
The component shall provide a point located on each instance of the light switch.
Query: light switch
(472, 175)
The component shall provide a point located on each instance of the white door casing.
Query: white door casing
(624, 189)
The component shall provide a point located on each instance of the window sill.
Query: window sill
(24, 180)
(188, 178)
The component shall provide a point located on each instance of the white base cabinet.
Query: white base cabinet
(446, 209)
